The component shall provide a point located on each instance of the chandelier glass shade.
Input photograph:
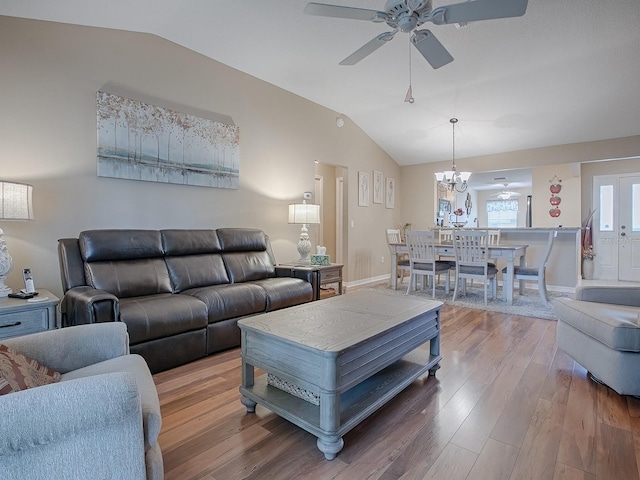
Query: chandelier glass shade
(452, 180)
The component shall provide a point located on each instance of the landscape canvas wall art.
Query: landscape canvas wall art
(138, 141)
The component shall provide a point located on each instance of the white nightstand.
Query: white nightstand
(20, 317)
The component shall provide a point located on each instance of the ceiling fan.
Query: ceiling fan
(505, 194)
(407, 15)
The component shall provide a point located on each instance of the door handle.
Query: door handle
(623, 234)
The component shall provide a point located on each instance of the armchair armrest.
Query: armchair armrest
(72, 348)
(74, 429)
(614, 294)
(81, 305)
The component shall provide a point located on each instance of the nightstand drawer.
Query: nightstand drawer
(330, 275)
(23, 323)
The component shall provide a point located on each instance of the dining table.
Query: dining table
(510, 253)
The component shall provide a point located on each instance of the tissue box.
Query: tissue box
(320, 259)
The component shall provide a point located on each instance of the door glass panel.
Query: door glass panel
(635, 207)
(606, 208)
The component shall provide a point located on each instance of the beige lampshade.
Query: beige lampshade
(16, 202)
(304, 213)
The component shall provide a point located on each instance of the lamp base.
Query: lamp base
(304, 247)
(6, 264)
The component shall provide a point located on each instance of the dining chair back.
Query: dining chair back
(394, 237)
(446, 236)
(537, 274)
(472, 262)
(493, 239)
(423, 261)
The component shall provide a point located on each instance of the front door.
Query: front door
(616, 227)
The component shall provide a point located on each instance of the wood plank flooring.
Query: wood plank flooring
(506, 405)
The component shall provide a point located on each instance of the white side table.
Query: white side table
(20, 317)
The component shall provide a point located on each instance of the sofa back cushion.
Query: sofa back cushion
(246, 253)
(193, 258)
(126, 263)
(97, 245)
(131, 278)
(192, 271)
(189, 242)
(248, 266)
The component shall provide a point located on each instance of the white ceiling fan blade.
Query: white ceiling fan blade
(337, 11)
(476, 10)
(431, 49)
(368, 48)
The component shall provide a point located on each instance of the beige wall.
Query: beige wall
(418, 180)
(50, 75)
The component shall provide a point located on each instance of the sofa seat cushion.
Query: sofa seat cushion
(285, 292)
(230, 301)
(151, 417)
(614, 325)
(158, 316)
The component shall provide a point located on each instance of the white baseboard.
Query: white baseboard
(382, 278)
(367, 281)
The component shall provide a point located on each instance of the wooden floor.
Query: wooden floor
(505, 405)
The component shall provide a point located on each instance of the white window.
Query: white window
(502, 213)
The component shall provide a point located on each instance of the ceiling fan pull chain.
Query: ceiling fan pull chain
(409, 96)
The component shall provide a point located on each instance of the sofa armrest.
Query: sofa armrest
(81, 305)
(308, 274)
(614, 294)
(72, 348)
(74, 429)
(303, 273)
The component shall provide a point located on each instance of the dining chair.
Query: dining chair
(472, 261)
(493, 238)
(423, 261)
(538, 273)
(394, 237)
(446, 236)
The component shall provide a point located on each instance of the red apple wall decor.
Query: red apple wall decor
(554, 188)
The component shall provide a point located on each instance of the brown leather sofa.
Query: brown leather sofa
(180, 292)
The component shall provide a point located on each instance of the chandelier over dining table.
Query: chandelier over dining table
(453, 180)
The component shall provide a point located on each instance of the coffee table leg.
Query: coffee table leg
(248, 379)
(250, 404)
(330, 446)
(328, 442)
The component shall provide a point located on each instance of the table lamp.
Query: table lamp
(305, 214)
(15, 204)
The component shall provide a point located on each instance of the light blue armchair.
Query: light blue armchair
(101, 421)
(600, 330)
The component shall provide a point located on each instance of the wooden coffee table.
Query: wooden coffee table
(351, 354)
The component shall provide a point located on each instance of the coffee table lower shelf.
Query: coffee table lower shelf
(356, 404)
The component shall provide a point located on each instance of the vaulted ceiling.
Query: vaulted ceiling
(566, 72)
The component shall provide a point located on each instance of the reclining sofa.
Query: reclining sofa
(180, 292)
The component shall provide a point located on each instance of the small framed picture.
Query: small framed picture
(378, 186)
(363, 189)
(390, 192)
